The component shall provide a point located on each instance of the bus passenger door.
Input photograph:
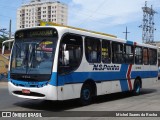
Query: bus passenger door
(70, 56)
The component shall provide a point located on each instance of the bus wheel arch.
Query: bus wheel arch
(137, 85)
(88, 91)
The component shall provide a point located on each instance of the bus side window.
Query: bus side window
(106, 51)
(71, 46)
(145, 56)
(93, 50)
(138, 55)
(152, 56)
(128, 54)
(117, 53)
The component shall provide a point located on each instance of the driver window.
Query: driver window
(70, 53)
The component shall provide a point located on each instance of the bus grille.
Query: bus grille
(31, 94)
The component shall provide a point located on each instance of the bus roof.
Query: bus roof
(43, 23)
(94, 34)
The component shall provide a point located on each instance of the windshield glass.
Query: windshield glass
(32, 58)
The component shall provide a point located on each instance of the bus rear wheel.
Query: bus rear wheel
(86, 95)
(137, 87)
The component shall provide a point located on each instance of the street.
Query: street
(148, 100)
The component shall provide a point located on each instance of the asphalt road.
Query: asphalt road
(148, 100)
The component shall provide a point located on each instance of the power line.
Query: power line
(93, 12)
(99, 13)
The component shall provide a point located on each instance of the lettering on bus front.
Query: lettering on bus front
(106, 67)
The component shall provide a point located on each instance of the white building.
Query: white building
(30, 14)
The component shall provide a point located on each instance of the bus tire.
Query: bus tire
(137, 87)
(86, 95)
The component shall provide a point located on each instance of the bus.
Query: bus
(60, 63)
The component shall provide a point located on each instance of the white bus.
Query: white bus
(61, 63)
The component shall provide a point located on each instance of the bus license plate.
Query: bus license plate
(26, 91)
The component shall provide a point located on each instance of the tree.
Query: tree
(2, 38)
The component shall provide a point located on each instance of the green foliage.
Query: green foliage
(2, 38)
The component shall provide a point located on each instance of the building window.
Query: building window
(93, 50)
(106, 51)
(138, 55)
(117, 52)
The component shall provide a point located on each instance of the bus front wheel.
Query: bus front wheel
(86, 95)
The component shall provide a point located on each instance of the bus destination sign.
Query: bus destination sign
(36, 33)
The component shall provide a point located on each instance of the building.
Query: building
(30, 14)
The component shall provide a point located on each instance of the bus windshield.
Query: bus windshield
(32, 58)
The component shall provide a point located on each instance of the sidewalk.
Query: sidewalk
(3, 82)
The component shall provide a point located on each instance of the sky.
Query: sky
(108, 16)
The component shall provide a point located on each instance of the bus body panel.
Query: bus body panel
(109, 78)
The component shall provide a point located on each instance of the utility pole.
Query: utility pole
(126, 33)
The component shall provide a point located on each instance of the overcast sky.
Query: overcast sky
(109, 16)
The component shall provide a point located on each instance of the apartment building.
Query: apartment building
(30, 14)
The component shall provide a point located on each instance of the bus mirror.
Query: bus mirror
(3, 49)
(3, 52)
(66, 57)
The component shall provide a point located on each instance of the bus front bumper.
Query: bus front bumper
(47, 92)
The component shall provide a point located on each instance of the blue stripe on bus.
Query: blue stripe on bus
(53, 80)
(80, 77)
(28, 84)
(129, 42)
(144, 74)
(8, 76)
(124, 85)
